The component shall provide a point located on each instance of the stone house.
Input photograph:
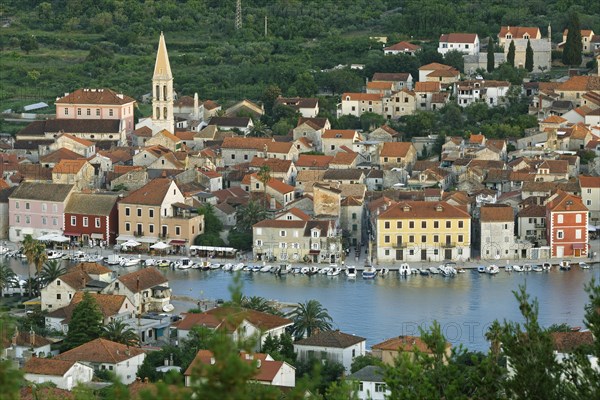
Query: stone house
(333, 346)
(79, 173)
(64, 374)
(147, 289)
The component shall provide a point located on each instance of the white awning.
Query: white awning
(213, 248)
(142, 239)
(97, 236)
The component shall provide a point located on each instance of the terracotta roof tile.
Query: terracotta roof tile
(434, 66)
(245, 143)
(42, 191)
(143, 279)
(563, 201)
(319, 123)
(69, 166)
(518, 32)
(581, 83)
(313, 161)
(168, 135)
(81, 141)
(101, 351)
(405, 344)
(589, 181)
(346, 134)
(47, 366)
(566, 342)
(424, 209)
(95, 96)
(497, 213)
(144, 131)
(151, 193)
(61, 154)
(458, 38)
(330, 339)
(275, 164)
(395, 149)
(361, 96)
(391, 76)
(428, 87)
(403, 46)
(382, 85)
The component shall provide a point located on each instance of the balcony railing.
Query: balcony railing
(401, 245)
(448, 245)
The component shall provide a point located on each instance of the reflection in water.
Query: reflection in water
(384, 307)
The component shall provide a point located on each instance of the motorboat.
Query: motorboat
(448, 269)
(404, 269)
(237, 267)
(537, 268)
(4, 250)
(584, 265)
(383, 272)
(297, 271)
(79, 256)
(228, 267)
(423, 272)
(369, 273)
(130, 262)
(266, 268)
(508, 268)
(564, 265)
(517, 268)
(460, 270)
(546, 266)
(434, 270)
(163, 263)
(275, 270)
(150, 262)
(285, 269)
(334, 271)
(54, 255)
(351, 272)
(214, 266)
(492, 269)
(324, 270)
(527, 268)
(304, 270)
(114, 259)
(95, 258)
(204, 265)
(183, 263)
(481, 269)
(255, 268)
(313, 270)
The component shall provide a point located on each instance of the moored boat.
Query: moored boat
(130, 262)
(369, 272)
(481, 269)
(383, 272)
(351, 272)
(546, 266)
(492, 269)
(423, 272)
(266, 268)
(537, 268)
(564, 265)
(517, 268)
(404, 269)
(334, 271)
(584, 265)
(54, 255)
(434, 270)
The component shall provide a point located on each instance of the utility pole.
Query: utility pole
(266, 31)
(238, 15)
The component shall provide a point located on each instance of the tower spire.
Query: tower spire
(162, 90)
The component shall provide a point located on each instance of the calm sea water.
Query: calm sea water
(378, 309)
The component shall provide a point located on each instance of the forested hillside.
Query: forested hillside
(111, 43)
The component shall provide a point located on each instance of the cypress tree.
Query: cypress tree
(85, 325)
(573, 47)
(490, 55)
(529, 57)
(510, 57)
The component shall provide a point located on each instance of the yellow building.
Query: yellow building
(424, 231)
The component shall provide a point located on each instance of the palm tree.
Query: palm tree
(119, 332)
(258, 303)
(52, 270)
(264, 175)
(35, 251)
(310, 317)
(250, 214)
(7, 277)
(259, 130)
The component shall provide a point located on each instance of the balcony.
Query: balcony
(540, 226)
(400, 245)
(448, 245)
(138, 233)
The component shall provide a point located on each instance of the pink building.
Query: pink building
(97, 104)
(566, 225)
(37, 209)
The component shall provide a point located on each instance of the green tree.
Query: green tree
(259, 129)
(85, 325)
(270, 94)
(362, 361)
(490, 55)
(264, 176)
(7, 277)
(455, 59)
(529, 57)
(52, 269)
(248, 215)
(510, 56)
(11, 379)
(118, 331)
(28, 43)
(309, 317)
(261, 304)
(573, 46)
(342, 390)
(527, 347)
(35, 252)
(305, 85)
(212, 224)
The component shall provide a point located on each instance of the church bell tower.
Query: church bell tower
(162, 90)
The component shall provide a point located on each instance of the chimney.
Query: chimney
(171, 359)
(258, 363)
(166, 362)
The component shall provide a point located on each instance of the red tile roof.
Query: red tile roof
(405, 344)
(94, 96)
(245, 143)
(589, 181)
(458, 37)
(566, 342)
(497, 213)
(428, 87)
(395, 149)
(563, 201)
(47, 366)
(69, 166)
(313, 161)
(424, 209)
(331, 339)
(101, 351)
(151, 193)
(347, 134)
(518, 32)
(434, 66)
(143, 279)
(403, 46)
(362, 96)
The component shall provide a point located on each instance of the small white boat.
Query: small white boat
(163, 263)
(237, 267)
(517, 268)
(424, 272)
(369, 273)
(95, 258)
(546, 266)
(324, 270)
(130, 262)
(266, 268)
(255, 268)
(527, 267)
(150, 262)
(54, 255)
(492, 269)
(537, 268)
(434, 270)
(215, 266)
(297, 271)
(404, 269)
(313, 270)
(584, 265)
(4, 250)
(285, 269)
(383, 272)
(228, 267)
(481, 269)
(304, 270)
(79, 256)
(334, 271)
(168, 307)
(508, 268)
(564, 265)
(448, 269)
(184, 263)
(114, 259)
(351, 272)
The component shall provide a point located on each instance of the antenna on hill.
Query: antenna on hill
(238, 15)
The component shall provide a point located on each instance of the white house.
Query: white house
(358, 103)
(497, 232)
(147, 289)
(490, 92)
(401, 48)
(239, 322)
(590, 195)
(467, 43)
(102, 354)
(268, 371)
(333, 346)
(64, 374)
(371, 385)
(24, 345)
